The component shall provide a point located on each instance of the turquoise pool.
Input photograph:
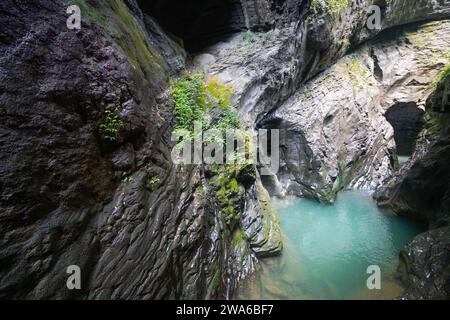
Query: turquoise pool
(328, 249)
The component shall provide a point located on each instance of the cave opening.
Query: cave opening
(199, 23)
(407, 119)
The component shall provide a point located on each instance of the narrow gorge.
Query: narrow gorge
(92, 117)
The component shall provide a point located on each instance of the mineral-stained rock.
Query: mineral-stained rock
(261, 223)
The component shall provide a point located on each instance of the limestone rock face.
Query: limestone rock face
(420, 191)
(114, 204)
(334, 130)
(337, 115)
(85, 167)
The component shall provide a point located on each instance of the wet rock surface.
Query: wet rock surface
(335, 131)
(425, 266)
(86, 175)
(267, 69)
(111, 202)
(420, 191)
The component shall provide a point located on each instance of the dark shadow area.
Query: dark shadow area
(199, 23)
(407, 121)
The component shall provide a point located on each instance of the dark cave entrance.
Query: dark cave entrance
(407, 120)
(199, 23)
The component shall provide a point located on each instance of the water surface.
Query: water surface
(328, 249)
(403, 159)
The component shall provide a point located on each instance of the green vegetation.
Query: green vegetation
(435, 122)
(229, 119)
(251, 37)
(219, 93)
(228, 194)
(200, 194)
(330, 6)
(358, 73)
(89, 12)
(131, 39)
(270, 221)
(234, 186)
(239, 239)
(153, 182)
(111, 125)
(194, 98)
(189, 95)
(346, 42)
(215, 279)
(442, 75)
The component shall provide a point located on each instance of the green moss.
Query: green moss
(344, 178)
(238, 236)
(89, 12)
(234, 186)
(272, 238)
(256, 38)
(219, 93)
(358, 73)
(115, 17)
(228, 194)
(215, 279)
(442, 75)
(329, 195)
(239, 240)
(189, 95)
(330, 6)
(433, 125)
(200, 194)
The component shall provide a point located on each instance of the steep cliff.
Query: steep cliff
(87, 115)
(274, 76)
(87, 175)
(336, 129)
(420, 191)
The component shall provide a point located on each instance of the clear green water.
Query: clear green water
(403, 159)
(328, 249)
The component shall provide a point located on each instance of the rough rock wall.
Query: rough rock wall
(137, 225)
(273, 66)
(269, 69)
(420, 191)
(335, 132)
(58, 172)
